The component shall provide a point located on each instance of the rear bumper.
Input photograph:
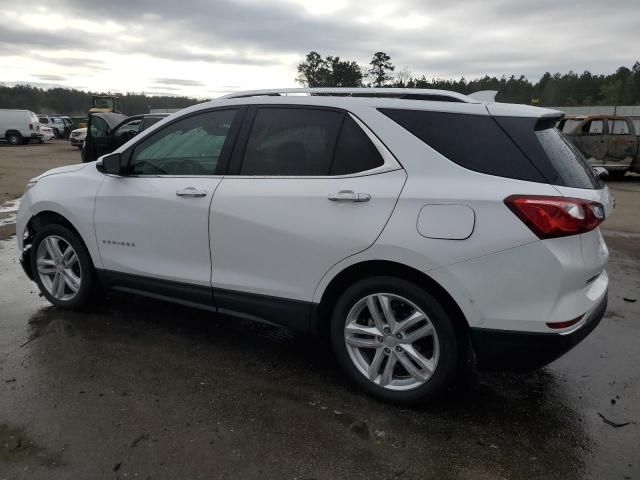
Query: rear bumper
(522, 351)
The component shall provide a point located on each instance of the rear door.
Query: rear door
(307, 187)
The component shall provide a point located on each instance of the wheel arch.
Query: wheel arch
(369, 268)
(48, 217)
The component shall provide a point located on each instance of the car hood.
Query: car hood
(80, 130)
(64, 169)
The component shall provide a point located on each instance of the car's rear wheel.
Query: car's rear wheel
(394, 340)
(14, 138)
(62, 267)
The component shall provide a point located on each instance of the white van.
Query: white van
(19, 126)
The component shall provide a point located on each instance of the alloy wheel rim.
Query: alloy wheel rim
(391, 341)
(59, 268)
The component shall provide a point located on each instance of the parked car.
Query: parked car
(19, 127)
(77, 137)
(107, 131)
(46, 133)
(61, 125)
(415, 235)
(608, 141)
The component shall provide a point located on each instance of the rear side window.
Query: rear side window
(291, 141)
(355, 151)
(475, 142)
(618, 127)
(572, 167)
(521, 148)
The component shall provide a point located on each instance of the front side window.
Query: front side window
(99, 127)
(189, 146)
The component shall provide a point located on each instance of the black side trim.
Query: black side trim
(294, 314)
(523, 351)
(195, 295)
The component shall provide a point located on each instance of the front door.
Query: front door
(153, 222)
(308, 188)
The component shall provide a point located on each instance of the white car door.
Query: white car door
(306, 188)
(152, 223)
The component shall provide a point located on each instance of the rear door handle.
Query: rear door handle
(191, 192)
(349, 196)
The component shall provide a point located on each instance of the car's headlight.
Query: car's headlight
(30, 185)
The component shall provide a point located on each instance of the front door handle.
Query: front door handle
(191, 192)
(349, 196)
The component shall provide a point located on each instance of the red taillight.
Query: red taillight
(552, 217)
(30, 126)
(567, 324)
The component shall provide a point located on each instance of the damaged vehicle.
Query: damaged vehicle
(607, 141)
(107, 131)
(419, 236)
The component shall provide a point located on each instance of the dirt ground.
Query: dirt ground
(143, 389)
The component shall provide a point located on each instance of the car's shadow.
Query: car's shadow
(515, 418)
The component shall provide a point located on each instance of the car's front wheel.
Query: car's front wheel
(62, 267)
(394, 340)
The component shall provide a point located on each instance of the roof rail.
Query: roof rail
(406, 93)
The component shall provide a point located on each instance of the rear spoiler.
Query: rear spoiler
(488, 96)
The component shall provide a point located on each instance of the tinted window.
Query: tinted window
(355, 152)
(148, 121)
(570, 164)
(475, 142)
(128, 130)
(522, 148)
(291, 141)
(190, 146)
(43, 120)
(99, 127)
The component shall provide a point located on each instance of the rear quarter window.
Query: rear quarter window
(522, 148)
(475, 142)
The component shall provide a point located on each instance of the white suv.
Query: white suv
(419, 232)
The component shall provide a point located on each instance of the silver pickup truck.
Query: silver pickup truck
(608, 141)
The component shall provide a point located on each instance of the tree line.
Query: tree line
(559, 89)
(73, 102)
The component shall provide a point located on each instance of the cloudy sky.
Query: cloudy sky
(205, 48)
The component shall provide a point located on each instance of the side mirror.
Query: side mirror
(601, 172)
(110, 164)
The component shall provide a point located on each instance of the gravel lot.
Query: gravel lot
(143, 389)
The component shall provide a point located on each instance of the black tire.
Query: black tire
(66, 133)
(14, 138)
(88, 286)
(616, 174)
(26, 141)
(56, 133)
(446, 368)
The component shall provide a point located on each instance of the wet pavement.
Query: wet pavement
(145, 389)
